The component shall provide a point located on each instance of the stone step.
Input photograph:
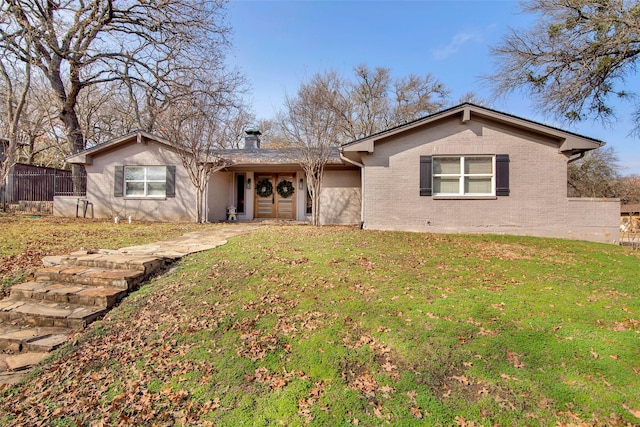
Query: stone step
(98, 296)
(20, 339)
(82, 275)
(113, 261)
(23, 361)
(48, 314)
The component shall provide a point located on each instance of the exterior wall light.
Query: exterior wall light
(248, 183)
(301, 184)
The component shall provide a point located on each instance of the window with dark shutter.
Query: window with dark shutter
(118, 181)
(425, 175)
(502, 175)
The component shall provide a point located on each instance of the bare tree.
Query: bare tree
(417, 96)
(272, 134)
(311, 122)
(328, 110)
(373, 101)
(16, 82)
(595, 175)
(77, 44)
(201, 124)
(575, 60)
(630, 189)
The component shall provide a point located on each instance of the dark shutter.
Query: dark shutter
(502, 175)
(118, 181)
(171, 181)
(425, 175)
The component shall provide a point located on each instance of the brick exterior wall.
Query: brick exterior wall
(537, 204)
(340, 199)
(100, 183)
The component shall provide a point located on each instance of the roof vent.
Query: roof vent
(252, 139)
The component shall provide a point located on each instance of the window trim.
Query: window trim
(463, 177)
(145, 182)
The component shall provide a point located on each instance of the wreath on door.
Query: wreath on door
(285, 188)
(264, 188)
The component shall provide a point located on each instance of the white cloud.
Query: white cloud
(456, 44)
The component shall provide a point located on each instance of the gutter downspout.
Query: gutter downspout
(361, 166)
(580, 155)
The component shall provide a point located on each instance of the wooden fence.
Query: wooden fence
(32, 188)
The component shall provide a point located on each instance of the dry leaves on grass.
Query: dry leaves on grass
(101, 383)
(514, 359)
(305, 404)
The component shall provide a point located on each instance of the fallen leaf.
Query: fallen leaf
(416, 412)
(377, 412)
(594, 354)
(388, 366)
(544, 403)
(514, 359)
(462, 379)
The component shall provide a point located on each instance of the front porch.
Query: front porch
(269, 193)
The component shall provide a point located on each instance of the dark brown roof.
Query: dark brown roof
(269, 156)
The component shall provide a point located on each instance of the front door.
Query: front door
(275, 195)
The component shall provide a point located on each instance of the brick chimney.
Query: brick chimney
(252, 139)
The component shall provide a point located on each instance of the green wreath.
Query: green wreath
(285, 188)
(264, 188)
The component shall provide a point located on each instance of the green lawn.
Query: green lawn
(337, 326)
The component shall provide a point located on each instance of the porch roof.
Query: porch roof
(269, 156)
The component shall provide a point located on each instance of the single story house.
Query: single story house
(467, 169)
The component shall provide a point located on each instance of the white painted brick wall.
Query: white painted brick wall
(537, 205)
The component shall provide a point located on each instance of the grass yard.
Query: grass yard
(337, 326)
(26, 239)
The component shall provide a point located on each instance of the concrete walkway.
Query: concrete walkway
(73, 290)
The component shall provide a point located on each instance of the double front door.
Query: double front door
(275, 195)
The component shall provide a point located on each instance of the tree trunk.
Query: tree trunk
(314, 182)
(199, 202)
(76, 143)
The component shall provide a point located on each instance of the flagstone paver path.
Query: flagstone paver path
(73, 290)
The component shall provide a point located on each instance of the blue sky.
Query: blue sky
(279, 44)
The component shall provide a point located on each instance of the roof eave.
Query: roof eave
(86, 157)
(568, 142)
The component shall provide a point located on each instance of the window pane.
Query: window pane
(477, 185)
(156, 173)
(134, 189)
(448, 165)
(446, 185)
(478, 165)
(132, 173)
(156, 189)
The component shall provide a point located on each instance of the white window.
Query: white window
(145, 181)
(464, 176)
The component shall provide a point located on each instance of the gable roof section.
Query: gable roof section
(86, 157)
(568, 142)
(235, 157)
